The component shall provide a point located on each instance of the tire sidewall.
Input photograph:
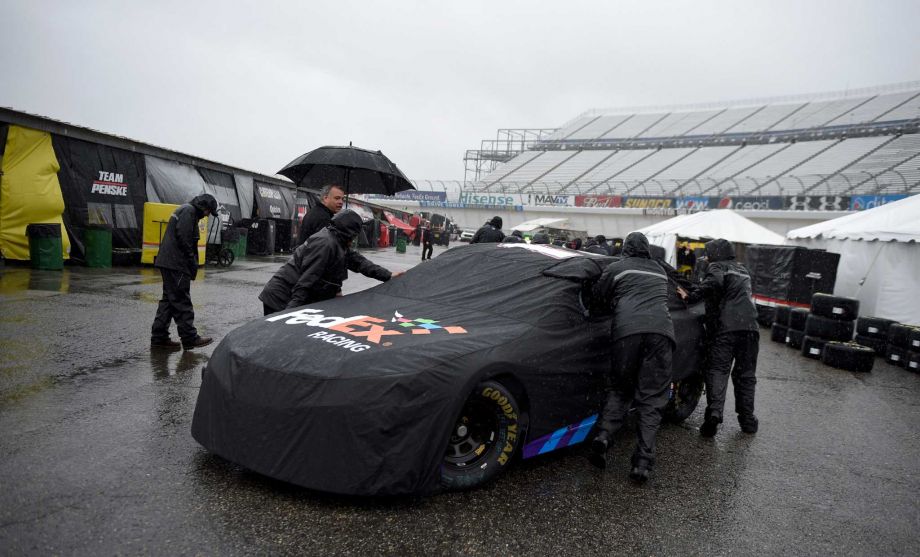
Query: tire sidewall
(509, 438)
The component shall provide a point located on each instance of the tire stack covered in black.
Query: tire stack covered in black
(796, 331)
(832, 318)
(780, 327)
(903, 346)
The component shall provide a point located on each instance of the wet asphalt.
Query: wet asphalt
(96, 455)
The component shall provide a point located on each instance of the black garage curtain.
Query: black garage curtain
(101, 186)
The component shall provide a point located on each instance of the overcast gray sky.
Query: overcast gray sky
(256, 84)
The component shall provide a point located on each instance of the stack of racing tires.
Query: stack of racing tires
(832, 319)
(903, 346)
(795, 333)
(829, 334)
(780, 328)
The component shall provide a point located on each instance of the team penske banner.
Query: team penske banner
(101, 186)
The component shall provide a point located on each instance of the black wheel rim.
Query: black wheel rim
(473, 436)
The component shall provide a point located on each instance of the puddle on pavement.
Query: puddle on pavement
(165, 362)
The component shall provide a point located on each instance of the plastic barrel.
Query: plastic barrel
(244, 241)
(98, 240)
(401, 245)
(45, 248)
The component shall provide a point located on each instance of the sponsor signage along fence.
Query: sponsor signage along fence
(749, 203)
(863, 202)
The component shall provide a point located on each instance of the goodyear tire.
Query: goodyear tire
(904, 336)
(778, 333)
(685, 397)
(794, 338)
(895, 355)
(782, 315)
(848, 356)
(829, 329)
(875, 327)
(797, 318)
(488, 433)
(813, 347)
(835, 307)
(877, 344)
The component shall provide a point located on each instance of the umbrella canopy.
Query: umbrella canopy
(355, 170)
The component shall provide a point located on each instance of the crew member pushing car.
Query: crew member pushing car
(489, 232)
(636, 288)
(177, 260)
(731, 311)
(318, 267)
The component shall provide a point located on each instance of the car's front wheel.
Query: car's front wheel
(685, 395)
(486, 436)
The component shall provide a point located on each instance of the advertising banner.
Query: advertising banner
(101, 186)
(606, 201)
(818, 203)
(274, 202)
(548, 200)
(750, 203)
(863, 202)
(415, 195)
(693, 204)
(650, 203)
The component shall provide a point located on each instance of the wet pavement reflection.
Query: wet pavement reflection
(96, 455)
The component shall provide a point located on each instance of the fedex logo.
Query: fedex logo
(364, 327)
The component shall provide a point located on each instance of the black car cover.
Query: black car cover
(358, 394)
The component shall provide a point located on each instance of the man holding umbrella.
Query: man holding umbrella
(331, 198)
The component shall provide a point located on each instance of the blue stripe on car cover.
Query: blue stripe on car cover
(563, 437)
(553, 440)
(582, 430)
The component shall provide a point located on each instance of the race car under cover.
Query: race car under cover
(433, 380)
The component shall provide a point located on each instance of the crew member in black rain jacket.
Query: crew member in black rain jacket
(516, 237)
(177, 260)
(318, 267)
(727, 290)
(490, 232)
(636, 288)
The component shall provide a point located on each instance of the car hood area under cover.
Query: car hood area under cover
(357, 395)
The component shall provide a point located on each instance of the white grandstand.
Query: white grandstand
(852, 143)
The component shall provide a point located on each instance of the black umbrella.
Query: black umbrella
(355, 170)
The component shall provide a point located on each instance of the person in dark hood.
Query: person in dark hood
(726, 287)
(319, 266)
(516, 237)
(575, 244)
(602, 243)
(331, 199)
(539, 238)
(636, 288)
(591, 246)
(490, 232)
(177, 261)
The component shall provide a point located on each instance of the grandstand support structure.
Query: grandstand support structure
(508, 143)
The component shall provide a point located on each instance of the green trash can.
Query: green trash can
(45, 248)
(98, 242)
(244, 241)
(400, 245)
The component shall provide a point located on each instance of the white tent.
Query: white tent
(708, 225)
(879, 257)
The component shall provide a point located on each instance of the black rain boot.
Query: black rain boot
(749, 423)
(599, 446)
